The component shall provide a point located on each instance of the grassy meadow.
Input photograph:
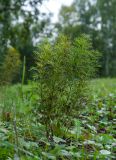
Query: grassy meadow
(91, 137)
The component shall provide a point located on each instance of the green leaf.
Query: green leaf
(105, 152)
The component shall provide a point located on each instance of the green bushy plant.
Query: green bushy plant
(10, 67)
(62, 72)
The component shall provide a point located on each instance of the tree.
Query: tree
(10, 67)
(20, 25)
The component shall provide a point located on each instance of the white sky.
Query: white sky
(54, 6)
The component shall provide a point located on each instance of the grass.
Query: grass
(104, 86)
(91, 137)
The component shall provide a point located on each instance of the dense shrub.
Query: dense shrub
(10, 67)
(62, 73)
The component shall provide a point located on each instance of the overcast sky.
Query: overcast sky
(54, 6)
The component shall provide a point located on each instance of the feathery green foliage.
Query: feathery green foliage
(62, 72)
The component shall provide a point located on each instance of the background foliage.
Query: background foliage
(98, 19)
(11, 67)
(20, 25)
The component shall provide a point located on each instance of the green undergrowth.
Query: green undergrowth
(90, 137)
